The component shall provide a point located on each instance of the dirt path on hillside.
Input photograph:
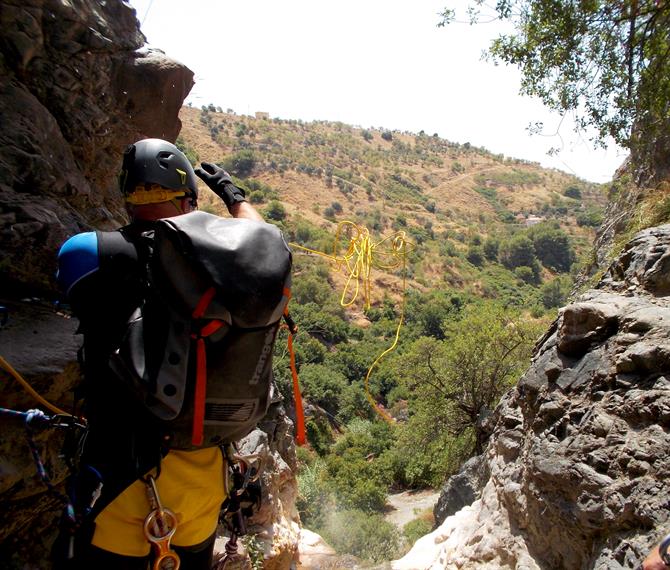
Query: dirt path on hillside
(406, 506)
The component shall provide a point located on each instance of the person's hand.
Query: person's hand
(220, 182)
(653, 561)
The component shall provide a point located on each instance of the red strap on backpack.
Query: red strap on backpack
(300, 436)
(201, 365)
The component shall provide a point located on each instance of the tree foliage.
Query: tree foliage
(606, 61)
(553, 246)
(455, 381)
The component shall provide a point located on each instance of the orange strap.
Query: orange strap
(197, 435)
(300, 436)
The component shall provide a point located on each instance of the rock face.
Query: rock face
(76, 86)
(578, 456)
(462, 489)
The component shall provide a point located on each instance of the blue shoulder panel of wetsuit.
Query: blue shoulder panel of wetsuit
(77, 258)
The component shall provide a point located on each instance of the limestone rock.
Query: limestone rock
(76, 86)
(462, 489)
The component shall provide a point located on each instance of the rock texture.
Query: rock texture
(578, 456)
(76, 86)
(462, 489)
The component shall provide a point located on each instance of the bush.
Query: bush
(314, 497)
(591, 218)
(525, 274)
(573, 192)
(552, 246)
(475, 255)
(416, 529)
(322, 385)
(387, 135)
(240, 163)
(362, 534)
(275, 211)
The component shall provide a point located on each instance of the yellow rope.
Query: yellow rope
(361, 255)
(8, 368)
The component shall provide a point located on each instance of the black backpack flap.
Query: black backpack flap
(239, 383)
(247, 261)
(154, 357)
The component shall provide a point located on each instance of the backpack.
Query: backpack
(197, 350)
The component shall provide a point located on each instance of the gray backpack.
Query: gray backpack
(198, 350)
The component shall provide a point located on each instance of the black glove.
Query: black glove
(220, 183)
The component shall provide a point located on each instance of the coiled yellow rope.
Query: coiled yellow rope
(8, 368)
(361, 255)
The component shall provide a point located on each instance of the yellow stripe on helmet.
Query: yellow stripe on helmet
(153, 196)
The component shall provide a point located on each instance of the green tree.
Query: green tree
(518, 251)
(573, 192)
(240, 163)
(555, 292)
(456, 381)
(491, 247)
(553, 246)
(605, 61)
(322, 385)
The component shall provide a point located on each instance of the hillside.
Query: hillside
(450, 198)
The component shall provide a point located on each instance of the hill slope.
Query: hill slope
(448, 197)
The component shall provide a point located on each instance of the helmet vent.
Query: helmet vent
(163, 158)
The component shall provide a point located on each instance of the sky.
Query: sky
(370, 63)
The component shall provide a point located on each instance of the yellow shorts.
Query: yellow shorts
(190, 485)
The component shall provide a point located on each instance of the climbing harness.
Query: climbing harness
(361, 255)
(159, 528)
(243, 495)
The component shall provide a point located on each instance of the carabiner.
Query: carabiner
(161, 542)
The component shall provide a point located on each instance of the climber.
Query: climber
(659, 557)
(125, 467)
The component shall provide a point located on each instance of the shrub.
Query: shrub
(314, 497)
(552, 246)
(416, 529)
(573, 192)
(475, 255)
(490, 248)
(190, 153)
(322, 385)
(240, 163)
(275, 211)
(362, 534)
(387, 135)
(525, 274)
(591, 218)
(367, 135)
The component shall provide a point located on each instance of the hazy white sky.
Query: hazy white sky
(373, 63)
